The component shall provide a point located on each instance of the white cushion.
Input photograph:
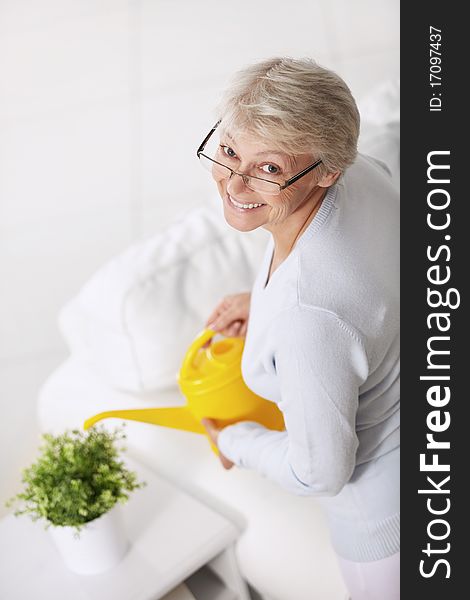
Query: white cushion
(133, 320)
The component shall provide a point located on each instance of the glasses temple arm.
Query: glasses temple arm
(301, 174)
(206, 139)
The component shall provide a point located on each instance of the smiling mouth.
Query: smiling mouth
(241, 206)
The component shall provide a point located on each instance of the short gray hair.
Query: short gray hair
(297, 106)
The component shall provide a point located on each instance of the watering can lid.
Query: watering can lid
(213, 366)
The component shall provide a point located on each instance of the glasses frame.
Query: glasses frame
(245, 177)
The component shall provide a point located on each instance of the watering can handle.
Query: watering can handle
(202, 338)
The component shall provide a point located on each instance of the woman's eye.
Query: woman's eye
(270, 169)
(228, 151)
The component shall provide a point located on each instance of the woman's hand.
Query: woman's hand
(213, 433)
(230, 316)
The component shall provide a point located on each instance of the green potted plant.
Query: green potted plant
(76, 486)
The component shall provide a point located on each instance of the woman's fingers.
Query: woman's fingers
(226, 319)
(211, 428)
(218, 310)
(213, 433)
(226, 463)
(232, 311)
(233, 329)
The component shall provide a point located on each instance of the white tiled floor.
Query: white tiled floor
(102, 105)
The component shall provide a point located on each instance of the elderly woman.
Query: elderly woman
(322, 319)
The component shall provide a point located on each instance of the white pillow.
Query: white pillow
(134, 319)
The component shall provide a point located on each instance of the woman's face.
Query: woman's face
(245, 154)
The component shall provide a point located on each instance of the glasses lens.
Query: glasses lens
(215, 168)
(263, 187)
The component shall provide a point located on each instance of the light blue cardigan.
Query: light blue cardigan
(323, 343)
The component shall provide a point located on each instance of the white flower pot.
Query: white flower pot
(101, 545)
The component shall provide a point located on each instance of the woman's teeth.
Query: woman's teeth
(239, 205)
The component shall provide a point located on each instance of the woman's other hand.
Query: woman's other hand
(230, 316)
(213, 433)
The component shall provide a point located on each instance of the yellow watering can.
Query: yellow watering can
(211, 380)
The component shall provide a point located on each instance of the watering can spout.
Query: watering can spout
(176, 418)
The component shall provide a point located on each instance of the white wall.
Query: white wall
(102, 106)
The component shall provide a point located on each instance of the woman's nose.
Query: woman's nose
(235, 184)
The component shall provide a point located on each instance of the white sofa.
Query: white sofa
(128, 329)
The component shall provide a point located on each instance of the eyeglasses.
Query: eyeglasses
(257, 184)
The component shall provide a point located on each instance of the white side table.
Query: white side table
(172, 535)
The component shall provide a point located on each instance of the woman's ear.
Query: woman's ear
(329, 179)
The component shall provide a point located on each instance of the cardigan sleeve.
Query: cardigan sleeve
(320, 363)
